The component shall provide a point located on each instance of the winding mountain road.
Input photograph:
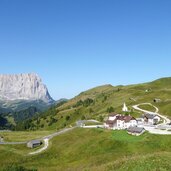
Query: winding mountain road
(13, 143)
(47, 138)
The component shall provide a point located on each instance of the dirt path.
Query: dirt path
(155, 129)
(165, 119)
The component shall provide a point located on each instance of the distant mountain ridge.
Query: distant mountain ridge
(23, 90)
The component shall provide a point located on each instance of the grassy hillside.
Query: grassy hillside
(97, 102)
(95, 149)
(17, 136)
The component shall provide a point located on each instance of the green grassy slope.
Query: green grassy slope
(104, 97)
(95, 149)
(18, 136)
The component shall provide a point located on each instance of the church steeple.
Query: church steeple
(124, 109)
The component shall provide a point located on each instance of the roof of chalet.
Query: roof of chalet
(135, 129)
(110, 121)
(34, 142)
(149, 116)
(126, 118)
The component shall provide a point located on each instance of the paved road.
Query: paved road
(59, 132)
(81, 123)
(12, 143)
(47, 138)
(93, 126)
(155, 129)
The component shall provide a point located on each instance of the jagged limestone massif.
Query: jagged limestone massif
(22, 88)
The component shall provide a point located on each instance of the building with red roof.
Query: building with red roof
(118, 121)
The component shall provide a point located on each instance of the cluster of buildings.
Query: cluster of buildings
(148, 119)
(134, 126)
(118, 121)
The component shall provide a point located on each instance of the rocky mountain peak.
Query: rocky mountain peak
(23, 87)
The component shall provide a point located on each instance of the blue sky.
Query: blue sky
(75, 45)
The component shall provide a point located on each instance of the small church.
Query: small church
(125, 108)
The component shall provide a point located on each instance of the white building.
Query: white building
(118, 121)
(150, 119)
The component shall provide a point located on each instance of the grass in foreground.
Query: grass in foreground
(94, 149)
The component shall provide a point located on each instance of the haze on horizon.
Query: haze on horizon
(76, 45)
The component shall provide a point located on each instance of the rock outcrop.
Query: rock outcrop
(23, 87)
